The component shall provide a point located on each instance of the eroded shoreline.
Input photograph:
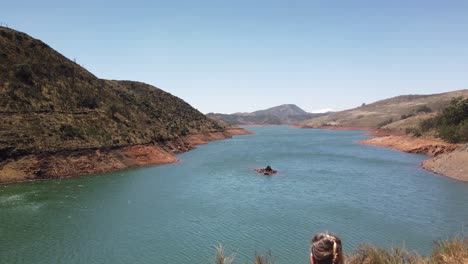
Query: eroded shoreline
(447, 159)
(71, 163)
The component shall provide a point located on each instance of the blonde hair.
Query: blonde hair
(326, 249)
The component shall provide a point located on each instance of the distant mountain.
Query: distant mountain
(286, 114)
(397, 113)
(282, 110)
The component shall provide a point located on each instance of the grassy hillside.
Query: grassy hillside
(396, 113)
(48, 103)
(451, 124)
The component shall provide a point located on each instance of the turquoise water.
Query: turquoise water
(177, 213)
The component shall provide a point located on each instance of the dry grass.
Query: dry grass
(369, 254)
(221, 258)
(371, 115)
(453, 251)
(263, 258)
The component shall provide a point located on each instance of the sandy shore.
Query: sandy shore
(70, 163)
(448, 159)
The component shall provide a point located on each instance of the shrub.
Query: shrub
(184, 131)
(427, 124)
(385, 122)
(70, 132)
(24, 73)
(412, 130)
(463, 131)
(456, 112)
(451, 123)
(89, 102)
(406, 116)
(424, 109)
(448, 133)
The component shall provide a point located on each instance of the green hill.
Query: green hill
(50, 104)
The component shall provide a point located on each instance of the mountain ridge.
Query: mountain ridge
(285, 114)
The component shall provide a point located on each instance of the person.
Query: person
(268, 169)
(326, 249)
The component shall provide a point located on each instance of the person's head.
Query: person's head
(326, 249)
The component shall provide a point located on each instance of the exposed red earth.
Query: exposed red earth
(91, 161)
(448, 159)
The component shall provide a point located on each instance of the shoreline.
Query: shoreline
(345, 128)
(75, 163)
(445, 159)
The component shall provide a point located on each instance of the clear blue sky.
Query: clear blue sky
(230, 56)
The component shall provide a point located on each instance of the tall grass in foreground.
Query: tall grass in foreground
(221, 258)
(453, 251)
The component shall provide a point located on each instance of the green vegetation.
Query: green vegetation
(70, 132)
(424, 109)
(385, 122)
(24, 73)
(453, 251)
(402, 117)
(414, 131)
(452, 123)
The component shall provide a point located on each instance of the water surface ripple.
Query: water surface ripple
(177, 213)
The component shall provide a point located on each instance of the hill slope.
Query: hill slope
(403, 111)
(289, 114)
(49, 104)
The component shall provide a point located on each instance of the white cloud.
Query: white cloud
(324, 110)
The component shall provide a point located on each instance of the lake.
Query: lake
(178, 213)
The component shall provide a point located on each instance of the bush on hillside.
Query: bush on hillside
(406, 116)
(24, 73)
(414, 131)
(424, 109)
(385, 122)
(69, 132)
(90, 102)
(452, 123)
